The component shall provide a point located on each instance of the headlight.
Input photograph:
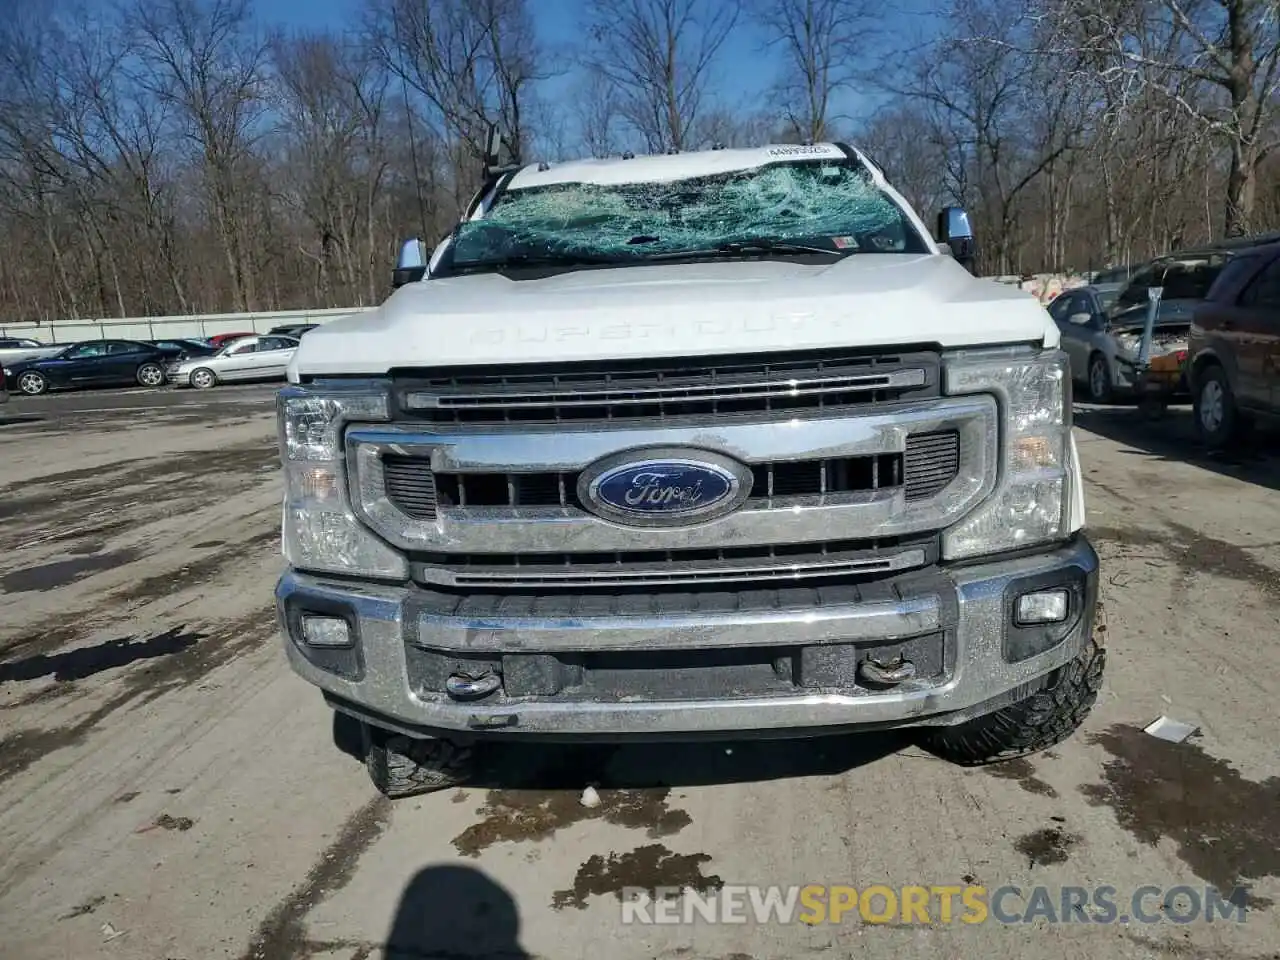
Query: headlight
(320, 531)
(1029, 504)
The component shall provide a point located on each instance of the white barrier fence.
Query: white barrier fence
(160, 328)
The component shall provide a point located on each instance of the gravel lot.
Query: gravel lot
(168, 789)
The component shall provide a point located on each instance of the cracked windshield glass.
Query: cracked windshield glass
(830, 208)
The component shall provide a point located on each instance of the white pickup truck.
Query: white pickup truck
(704, 444)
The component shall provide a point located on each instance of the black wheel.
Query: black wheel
(401, 766)
(202, 378)
(1100, 388)
(1218, 419)
(32, 383)
(1043, 719)
(150, 375)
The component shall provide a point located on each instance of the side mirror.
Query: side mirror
(410, 265)
(955, 231)
(500, 156)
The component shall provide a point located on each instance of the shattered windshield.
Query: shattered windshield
(822, 208)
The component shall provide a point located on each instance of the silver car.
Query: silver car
(249, 358)
(1101, 334)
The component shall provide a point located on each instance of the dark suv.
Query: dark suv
(1234, 347)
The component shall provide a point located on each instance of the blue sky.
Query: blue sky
(744, 72)
(557, 24)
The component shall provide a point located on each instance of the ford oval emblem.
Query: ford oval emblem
(666, 487)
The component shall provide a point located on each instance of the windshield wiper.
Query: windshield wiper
(733, 248)
(533, 260)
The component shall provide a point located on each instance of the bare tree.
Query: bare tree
(170, 156)
(822, 43)
(1010, 117)
(206, 63)
(1216, 61)
(36, 172)
(906, 141)
(331, 107)
(658, 57)
(598, 115)
(474, 61)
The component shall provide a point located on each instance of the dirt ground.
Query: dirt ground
(169, 790)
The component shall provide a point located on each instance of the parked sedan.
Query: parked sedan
(93, 363)
(252, 358)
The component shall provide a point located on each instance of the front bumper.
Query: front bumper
(180, 378)
(961, 618)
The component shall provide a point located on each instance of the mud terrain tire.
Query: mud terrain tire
(1045, 718)
(401, 766)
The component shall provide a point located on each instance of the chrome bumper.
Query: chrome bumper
(972, 605)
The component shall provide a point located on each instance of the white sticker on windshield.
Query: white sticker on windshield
(816, 150)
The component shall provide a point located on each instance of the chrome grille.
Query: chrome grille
(417, 491)
(678, 567)
(664, 389)
(524, 503)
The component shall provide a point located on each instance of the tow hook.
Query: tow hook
(886, 674)
(462, 687)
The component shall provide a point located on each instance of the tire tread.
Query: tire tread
(1042, 720)
(401, 766)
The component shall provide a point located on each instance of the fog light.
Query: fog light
(326, 632)
(1045, 606)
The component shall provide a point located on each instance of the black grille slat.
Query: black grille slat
(665, 389)
(410, 487)
(931, 462)
(539, 490)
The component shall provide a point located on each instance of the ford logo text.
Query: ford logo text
(664, 488)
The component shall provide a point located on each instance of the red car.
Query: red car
(221, 339)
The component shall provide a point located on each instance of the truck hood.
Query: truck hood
(670, 310)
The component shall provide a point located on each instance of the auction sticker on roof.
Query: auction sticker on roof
(816, 150)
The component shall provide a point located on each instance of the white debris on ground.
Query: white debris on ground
(1166, 728)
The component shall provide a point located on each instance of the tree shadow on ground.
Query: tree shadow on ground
(1171, 437)
(83, 662)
